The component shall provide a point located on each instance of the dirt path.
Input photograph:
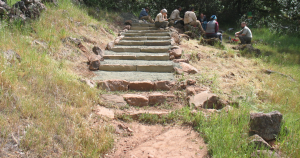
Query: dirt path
(157, 141)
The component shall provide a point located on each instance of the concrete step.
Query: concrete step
(144, 24)
(148, 38)
(145, 34)
(136, 65)
(142, 28)
(133, 76)
(147, 31)
(136, 56)
(146, 49)
(145, 42)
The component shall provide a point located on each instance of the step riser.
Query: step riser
(145, 34)
(147, 31)
(146, 50)
(143, 28)
(141, 68)
(129, 57)
(146, 38)
(139, 43)
(143, 25)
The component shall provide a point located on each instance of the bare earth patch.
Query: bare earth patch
(158, 141)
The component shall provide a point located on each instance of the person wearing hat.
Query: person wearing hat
(145, 16)
(190, 18)
(212, 28)
(161, 20)
(175, 15)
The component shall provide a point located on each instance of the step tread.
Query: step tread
(133, 76)
(136, 62)
(147, 38)
(144, 47)
(135, 53)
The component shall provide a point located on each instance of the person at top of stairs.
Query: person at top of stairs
(175, 15)
(190, 18)
(145, 16)
(161, 20)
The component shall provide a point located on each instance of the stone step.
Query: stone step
(148, 38)
(147, 49)
(147, 31)
(144, 24)
(142, 28)
(145, 34)
(135, 56)
(145, 42)
(136, 65)
(133, 76)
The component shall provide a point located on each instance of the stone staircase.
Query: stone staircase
(142, 55)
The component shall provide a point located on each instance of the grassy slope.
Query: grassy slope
(44, 108)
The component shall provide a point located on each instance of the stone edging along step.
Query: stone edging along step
(135, 56)
(148, 31)
(146, 34)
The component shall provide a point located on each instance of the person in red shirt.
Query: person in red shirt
(212, 28)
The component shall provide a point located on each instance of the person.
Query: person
(175, 16)
(191, 19)
(161, 20)
(212, 28)
(203, 20)
(144, 15)
(245, 35)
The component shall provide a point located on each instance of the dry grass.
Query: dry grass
(45, 111)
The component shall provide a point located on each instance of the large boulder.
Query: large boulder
(206, 100)
(188, 68)
(141, 85)
(114, 85)
(266, 125)
(94, 61)
(110, 45)
(177, 52)
(136, 100)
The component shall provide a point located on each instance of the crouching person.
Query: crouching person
(212, 28)
(144, 15)
(175, 16)
(161, 20)
(245, 35)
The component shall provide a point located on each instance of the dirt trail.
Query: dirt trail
(158, 141)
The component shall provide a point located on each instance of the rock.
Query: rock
(175, 36)
(164, 85)
(206, 100)
(11, 56)
(88, 82)
(265, 153)
(114, 85)
(199, 56)
(94, 61)
(191, 82)
(188, 68)
(172, 57)
(266, 125)
(177, 52)
(88, 40)
(188, 56)
(127, 27)
(98, 51)
(113, 100)
(110, 45)
(258, 142)
(117, 40)
(141, 85)
(192, 90)
(180, 60)
(159, 98)
(103, 111)
(178, 70)
(128, 22)
(136, 100)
